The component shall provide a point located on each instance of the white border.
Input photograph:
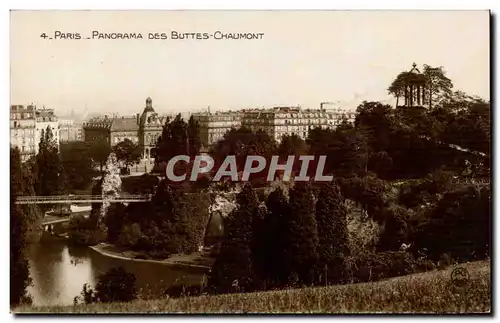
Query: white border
(192, 4)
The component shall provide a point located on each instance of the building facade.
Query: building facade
(143, 129)
(281, 121)
(70, 131)
(23, 129)
(213, 126)
(277, 122)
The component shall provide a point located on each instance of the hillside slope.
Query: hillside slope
(430, 292)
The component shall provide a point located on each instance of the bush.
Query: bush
(363, 231)
(423, 265)
(377, 266)
(130, 235)
(459, 225)
(116, 285)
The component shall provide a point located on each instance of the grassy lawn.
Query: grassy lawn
(430, 292)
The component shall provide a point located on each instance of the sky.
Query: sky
(303, 58)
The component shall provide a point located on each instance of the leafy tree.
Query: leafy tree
(77, 164)
(173, 141)
(194, 137)
(99, 152)
(50, 171)
(114, 221)
(345, 148)
(292, 145)
(301, 235)
(395, 228)
(438, 85)
(272, 236)
(116, 285)
(241, 143)
(111, 184)
(127, 152)
(333, 244)
(233, 268)
(460, 225)
(375, 120)
(19, 267)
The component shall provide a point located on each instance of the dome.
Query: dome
(149, 105)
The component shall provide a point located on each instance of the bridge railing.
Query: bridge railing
(70, 198)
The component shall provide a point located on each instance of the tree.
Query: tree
(127, 152)
(111, 184)
(99, 152)
(438, 86)
(272, 238)
(77, 164)
(241, 143)
(173, 141)
(375, 120)
(193, 130)
(233, 268)
(333, 241)
(50, 171)
(301, 235)
(116, 285)
(19, 267)
(460, 225)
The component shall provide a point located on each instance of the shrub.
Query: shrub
(423, 265)
(377, 266)
(116, 285)
(130, 235)
(362, 230)
(459, 225)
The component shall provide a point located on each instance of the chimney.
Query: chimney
(137, 118)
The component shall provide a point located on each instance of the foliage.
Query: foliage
(460, 225)
(19, 267)
(116, 285)
(77, 163)
(233, 270)
(129, 235)
(127, 152)
(50, 172)
(111, 184)
(173, 141)
(241, 143)
(99, 151)
(301, 235)
(194, 140)
(333, 244)
(363, 231)
(376, 266)
(114, 221)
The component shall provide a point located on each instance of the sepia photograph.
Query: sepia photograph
(250, 162)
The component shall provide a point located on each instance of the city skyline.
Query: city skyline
(304, 58)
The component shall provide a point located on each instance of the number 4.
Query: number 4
(43, 36)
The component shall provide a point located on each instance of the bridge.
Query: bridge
(71, 199)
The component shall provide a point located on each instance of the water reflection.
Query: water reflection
(59, 272)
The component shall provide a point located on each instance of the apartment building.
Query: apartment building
(213, 126)
(70, 131)
(280, 121)
(22, 130)
(277, 122)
